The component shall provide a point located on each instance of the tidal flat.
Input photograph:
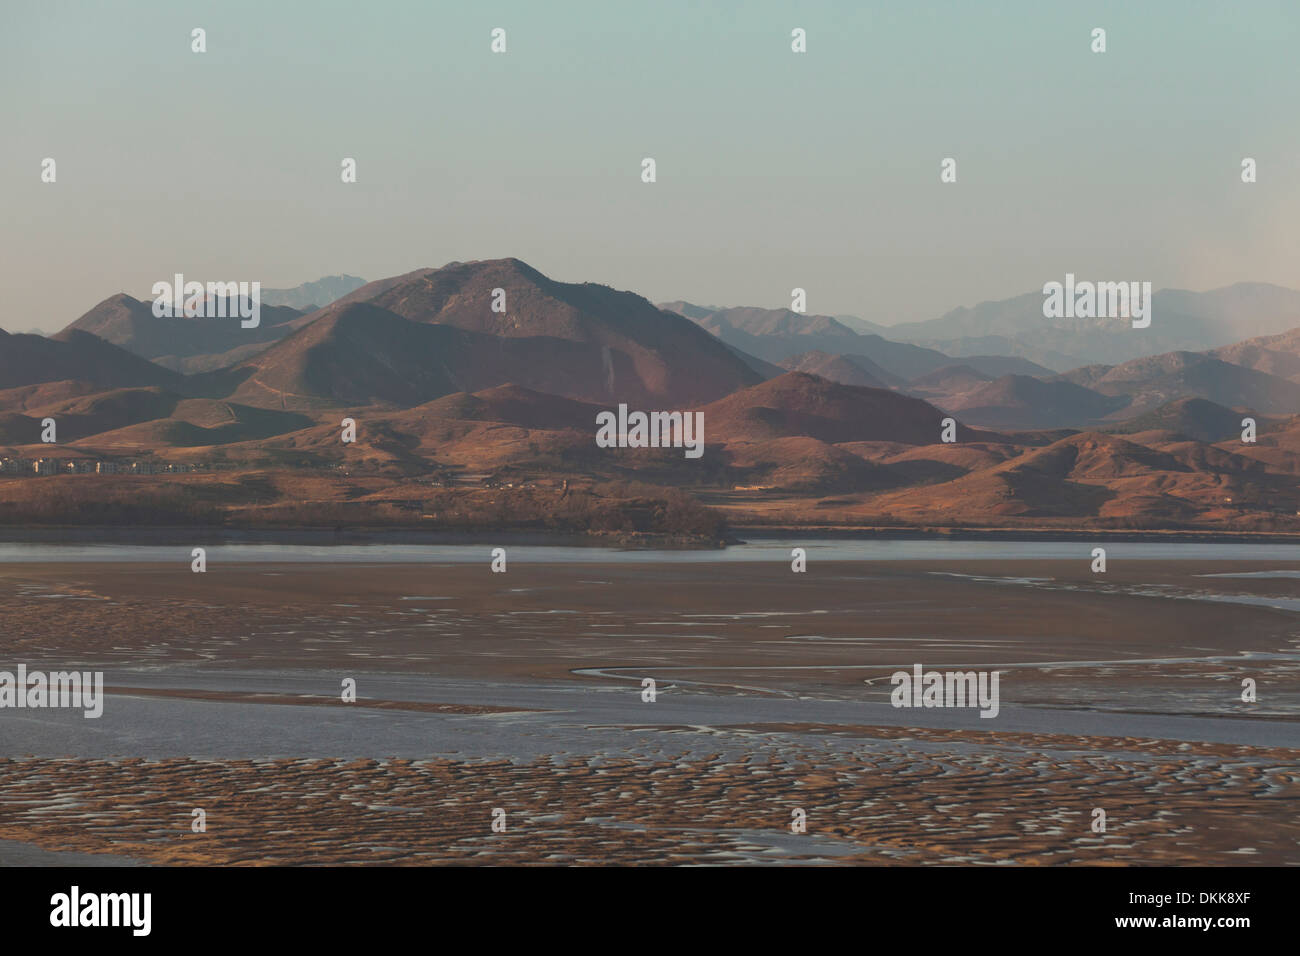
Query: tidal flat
(525, 691)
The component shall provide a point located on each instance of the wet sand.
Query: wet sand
(522, 691)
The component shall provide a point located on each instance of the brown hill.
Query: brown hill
(1194, 418)
(77, 356)
(1159, 379)
(514, 405)
(1093, 455)
(1018, 401)
(1277, 446)
(799, 404)
(1088, 474)
(950, 378)
(27, 397)
(19, 429)
(1275, 354)
(930, 464)
(88, 415)
(360, 354)
(135, 421)
(586, 341)
(1198, 456)
(856, 370)
(803, 465)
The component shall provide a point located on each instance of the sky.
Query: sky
(775, 169)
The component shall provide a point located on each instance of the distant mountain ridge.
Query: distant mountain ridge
(1181, 321)
(781, 336)
(313, 295)
(1158, 379)
(462, 375)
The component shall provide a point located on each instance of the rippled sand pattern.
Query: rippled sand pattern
(908, 797)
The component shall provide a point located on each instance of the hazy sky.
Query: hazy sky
(775, 169)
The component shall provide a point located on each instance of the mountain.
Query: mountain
(581, 341)
(861, 326)
(899, 358)
(764, 369)
(771, 334)
(1193, 418)
(804, 465)
(87, 415)
(77, 356)
(1181, 321)
(1153, 381)
(995, 366)
(180, 343)
(845, 369)
(1275, 354)
(1277, 446)
(1093, 455)
(695, 313)
(1086, 475)
(497, 426)
(1018, 401)
(313, 295)
(195, 423)
(514, 405)
(360, 354)
(950, 378)
(799, 404)
(780, 336)
(759, 321)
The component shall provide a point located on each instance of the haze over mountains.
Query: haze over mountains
(443, 384)
(313, 295)
(1183, 321)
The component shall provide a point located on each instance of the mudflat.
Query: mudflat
(523, 691)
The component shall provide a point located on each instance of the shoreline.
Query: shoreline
(206, 535)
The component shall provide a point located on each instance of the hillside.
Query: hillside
(799, 404)
(1018, 401)
(74, 355)
(587, 341)
(173, 341)
(847, 370)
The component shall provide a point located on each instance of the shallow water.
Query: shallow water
(756, 549)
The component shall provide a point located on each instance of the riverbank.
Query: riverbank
(200, 535)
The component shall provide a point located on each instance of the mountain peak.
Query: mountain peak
(584, 341)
